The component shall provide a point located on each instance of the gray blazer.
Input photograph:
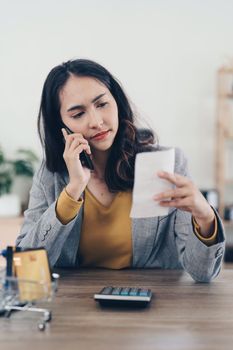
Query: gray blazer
(158, 242)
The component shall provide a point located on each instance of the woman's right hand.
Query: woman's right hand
(79, 175)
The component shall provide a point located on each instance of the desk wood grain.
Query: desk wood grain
(182, 315)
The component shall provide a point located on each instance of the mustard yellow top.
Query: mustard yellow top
(106, 239)
(106, 232)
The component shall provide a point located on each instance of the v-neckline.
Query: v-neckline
(98, 202)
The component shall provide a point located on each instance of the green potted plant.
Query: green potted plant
(15, 180)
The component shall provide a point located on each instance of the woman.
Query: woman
(81, 216)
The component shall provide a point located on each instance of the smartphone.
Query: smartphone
(84, 157)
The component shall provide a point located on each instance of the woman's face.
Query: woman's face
(87, 107)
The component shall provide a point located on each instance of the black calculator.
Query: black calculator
(124, 296)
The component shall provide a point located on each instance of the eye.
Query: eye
(77, 115)
(102, 104)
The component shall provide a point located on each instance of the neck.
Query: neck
(99, 161)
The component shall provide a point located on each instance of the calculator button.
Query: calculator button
(116, 291)
(143, 292)
(125, 291)
(133, 291)
(106, 290)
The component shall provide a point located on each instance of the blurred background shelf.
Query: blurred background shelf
(9, 230)
(228, 223)
(224, 149)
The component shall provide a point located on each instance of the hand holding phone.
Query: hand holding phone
(79, 173)
(84, 157)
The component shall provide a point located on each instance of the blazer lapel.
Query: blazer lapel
(144, 231)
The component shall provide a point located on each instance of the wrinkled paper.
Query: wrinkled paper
(147, 183)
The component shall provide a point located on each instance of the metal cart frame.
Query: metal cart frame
(11, 296)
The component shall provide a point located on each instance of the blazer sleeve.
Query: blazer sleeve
(41, 227)
(202, 262)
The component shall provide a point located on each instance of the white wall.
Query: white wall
(165, 53)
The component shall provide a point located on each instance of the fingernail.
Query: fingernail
(160, 173)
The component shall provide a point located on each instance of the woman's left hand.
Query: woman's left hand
(186, 196)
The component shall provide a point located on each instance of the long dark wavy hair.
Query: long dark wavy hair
(129, 140)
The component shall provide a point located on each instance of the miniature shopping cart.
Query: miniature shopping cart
(23, 295)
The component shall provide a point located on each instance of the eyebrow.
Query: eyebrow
(82, 106)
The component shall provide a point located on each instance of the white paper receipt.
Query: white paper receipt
(147, 184)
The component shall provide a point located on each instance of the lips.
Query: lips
(100, 134)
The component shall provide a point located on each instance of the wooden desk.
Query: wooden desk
(183, 314)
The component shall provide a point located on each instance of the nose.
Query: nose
(95, 119)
